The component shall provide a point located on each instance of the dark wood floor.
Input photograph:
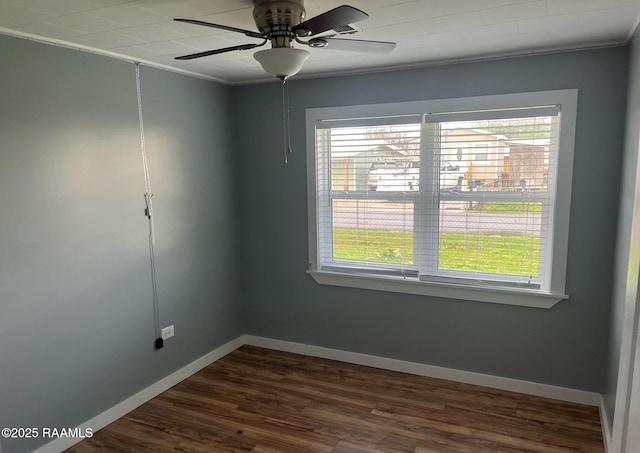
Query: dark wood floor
(263, 401)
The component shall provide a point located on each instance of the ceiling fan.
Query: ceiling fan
(282, 22)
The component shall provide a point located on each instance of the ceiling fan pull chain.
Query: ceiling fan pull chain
(289, 149)
(285, 120)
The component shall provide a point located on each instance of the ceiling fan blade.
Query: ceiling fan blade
(251, 34)
(217, 51)
(353, 45)
(335, 18)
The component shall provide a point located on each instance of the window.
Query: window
(481, 151)
(460, 198)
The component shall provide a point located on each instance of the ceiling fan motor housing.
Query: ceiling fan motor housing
(276, 17)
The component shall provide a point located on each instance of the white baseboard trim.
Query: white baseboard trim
(126, 406)
(467, 377)
(606, 426)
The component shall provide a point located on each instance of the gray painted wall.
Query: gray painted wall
(76, 329)
(76, 323)
(565, 346)
(627, 262)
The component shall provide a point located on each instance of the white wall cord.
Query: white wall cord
(148, 207)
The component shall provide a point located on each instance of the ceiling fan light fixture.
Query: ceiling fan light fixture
(282, 62)
(317, 43)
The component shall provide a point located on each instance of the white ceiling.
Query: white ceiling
(426, 31)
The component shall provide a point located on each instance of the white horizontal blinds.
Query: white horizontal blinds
(495, 192)
(323, 193)
(457, 197)
(366, 218)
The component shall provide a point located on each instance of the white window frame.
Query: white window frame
(545, 297)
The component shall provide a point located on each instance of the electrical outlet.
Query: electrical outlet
(167, 332)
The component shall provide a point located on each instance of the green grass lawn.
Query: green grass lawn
(509, 207)
(379, 246)
(510, 255)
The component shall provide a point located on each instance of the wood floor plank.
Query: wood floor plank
(257, 400)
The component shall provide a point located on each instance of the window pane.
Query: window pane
(497, 227)
(454, 192)
(370, 168)
(491, 237)
(373, 231)
(504, 154)
(375, 158)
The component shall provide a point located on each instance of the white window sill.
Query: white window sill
(496, 295)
